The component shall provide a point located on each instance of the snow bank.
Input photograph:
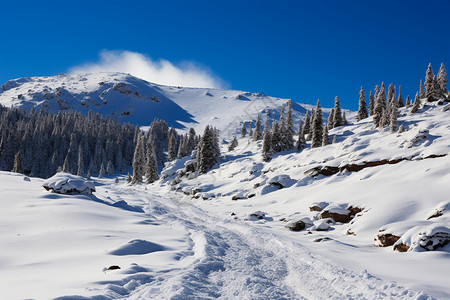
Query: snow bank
(65, 183)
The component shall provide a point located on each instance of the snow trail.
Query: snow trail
(233, 259)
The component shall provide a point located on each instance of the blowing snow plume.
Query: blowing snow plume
(161, 72)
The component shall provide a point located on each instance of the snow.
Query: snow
(65, 183)
(184, 237)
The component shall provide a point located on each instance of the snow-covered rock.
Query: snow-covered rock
(65, 183)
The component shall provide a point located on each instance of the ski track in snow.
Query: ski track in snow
(235, 260)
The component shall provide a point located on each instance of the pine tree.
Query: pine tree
(400, 98)
(429, 84)
(330, 119)
(393, 125)
(207, 155)
(344, 118)
(325, 137)
(138, 161)
(102, 170)
(306, 124)
(371, 104)
(80, 171)
(257, 134)
(17, 168)
(301, 137)
(391, 93)
(442, 80)
(316, 139)
(289, 128)
(408, 102)
(243, 130)
(362, 110)
(421, 90)
(378, 111)
(416, 104)
(233, 144)
(172, 154)
(109, 168)
(267, 140)
(151, 169)
(311, 126)
(337, 117)
(275, 136)
(65, 167)
(384, 119)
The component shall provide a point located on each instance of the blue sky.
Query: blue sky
(302, 50)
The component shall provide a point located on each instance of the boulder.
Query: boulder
(281, 181)
(337, 213)
(257, 215)
(318, 206)
(295, 225)
(65, 183)
(385, 239)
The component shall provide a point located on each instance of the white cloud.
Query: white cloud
(162, 72)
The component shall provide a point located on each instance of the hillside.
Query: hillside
(129, 99)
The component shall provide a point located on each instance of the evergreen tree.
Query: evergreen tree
(102, 170)
(316, 139)
(151, 169)
(311, 126)
(289, 128)
(109, 168)
(393, 125)
(429, 84)
(391, 93)
(65, 167)
(421, 90)
(337, 117)
(80, 171)
(207, 155)
(408, 101)
(382, 96)
(416, 104)
(257, 134)
(325, 137)
(243, 130)
(344, 118)
(330, 119)
(442, 80)
(267, 142)
(18, 168)
(371, 104)
(301, 137)
(400, 98)
(384, 119)
(172, 154)
(306, 124)
(275, 136)
(362, 110)
(138, 161)
(233, 144)
(377, 112)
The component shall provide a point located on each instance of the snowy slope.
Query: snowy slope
(130, 99)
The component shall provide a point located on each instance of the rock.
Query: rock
(338, 214)
(437, 240)
(401, 247)
(295, 225)
(439, 210)
(322, 239)
(323, 225)
(258, 215)
(318, 206)
(65, 183)
(281, 181)
(385, 239)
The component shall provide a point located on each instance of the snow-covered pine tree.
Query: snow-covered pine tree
(416, 104)
(289, 128)
(391, 92)
(408, 102)
(384, 119)
(109, 168)
(257, 134)
(65, 167)
(301, 137)
(266, 150)
(275, 136)
(362, 110)
(325, 137)
(80, 170)
(102, 170)
(382, 96)
(442, 80)
(344, 118)
(317, 132)
(378, 111)
(18, 167)
(244, 130)
(393, 125)
(337, 117)
(371, 104)
(151, 169)
(311, 125)
(233, 144)
(138, 161)
(306, 124)
(429, 84)
(421, 90)
(330, 119)
(400, 98)
(207, 155)
(172, 147)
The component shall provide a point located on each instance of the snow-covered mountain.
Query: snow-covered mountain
(129, 99)
(366, 217)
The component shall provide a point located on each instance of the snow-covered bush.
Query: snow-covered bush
(65, 183)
